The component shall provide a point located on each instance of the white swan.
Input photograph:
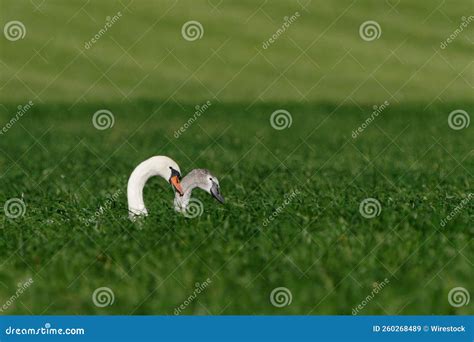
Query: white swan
(155, 166)
(197, 178)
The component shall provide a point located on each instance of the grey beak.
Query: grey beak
(215, 192)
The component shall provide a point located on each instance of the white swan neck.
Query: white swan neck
(155, 166)
(181, 202)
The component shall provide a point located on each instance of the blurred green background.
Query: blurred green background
(321, 56)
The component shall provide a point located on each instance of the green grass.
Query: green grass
(319, 246)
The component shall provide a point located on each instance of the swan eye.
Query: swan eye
(210, 179)
(175, 172)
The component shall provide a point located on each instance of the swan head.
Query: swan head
(175, 178)
(198, 178)
(205, 180)
(213, 188)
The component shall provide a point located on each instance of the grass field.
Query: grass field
(74, 235)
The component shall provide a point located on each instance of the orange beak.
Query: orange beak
(176, 184)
